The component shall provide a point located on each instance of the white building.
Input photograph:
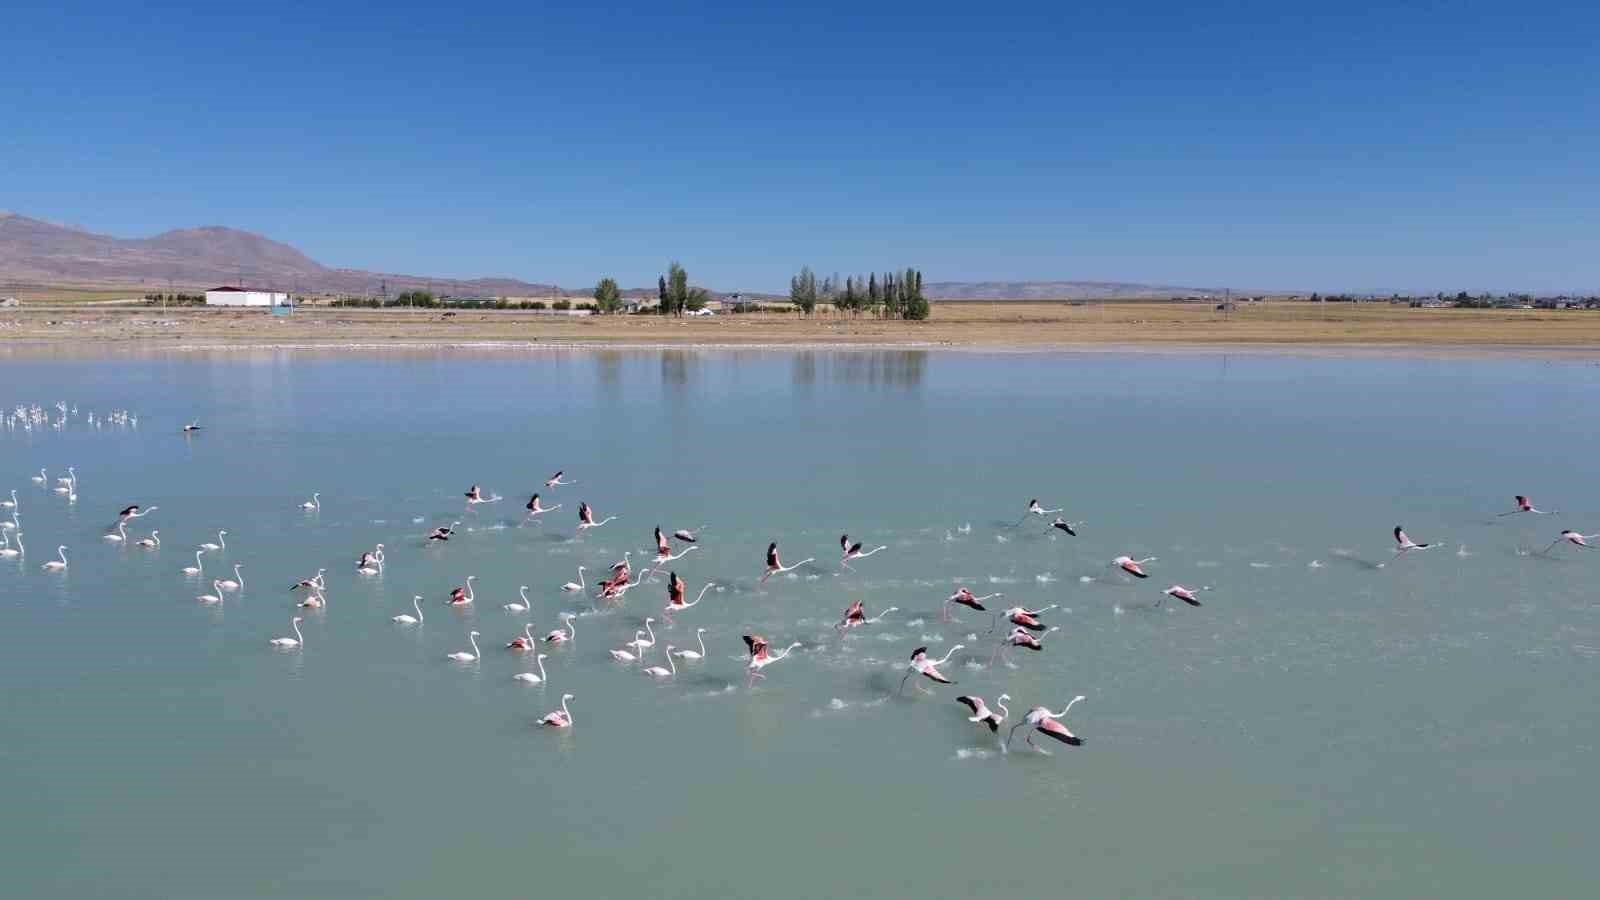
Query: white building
(232, 296)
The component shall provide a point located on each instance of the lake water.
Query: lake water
(1321, 727)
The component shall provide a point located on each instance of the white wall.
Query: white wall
(245, 298)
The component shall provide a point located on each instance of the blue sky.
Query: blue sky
(1251, 144)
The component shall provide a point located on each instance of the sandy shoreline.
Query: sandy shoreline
(1294, 329)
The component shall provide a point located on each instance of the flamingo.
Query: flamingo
(534, 509)
(1034, 509)
(687, 535)
(1045, 722)
(137, 512)
(659, 672)
(853, 551)
(462, 655)
(193, 426)
(1524, 505)
(314, 583)
(775, 565)
(692, 655)
(1134, 567)
(982, 713)
(1066, 526)
(586, 518)
(315, 600)
(1019, 637)
(11, 524)
(314, 504)
(628, 655)
(555, 481)
(371, 561)
(856, 616)
(562, 637)
(523, 641)
(927, 668)
(561, 718)
(1026, 618)
(297, 642)
(516, 607)
(212, 599)
(463, 595)
(475, 496)
(675, 594)
(9, 552)
(406, 619)
(1404, 542)
(640, 645)
(443, 532)
(964, 597)
(198, 568)
(1180, 592)
(68, 485)
(42, 477)
(762, 656)
(664, 552)
(222, 536)
(120, 537)
(235, 583)
(1581, 541)
(573, 587)
(529, 677)
(10, 504)
(59, 565)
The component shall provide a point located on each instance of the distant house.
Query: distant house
(237, 296)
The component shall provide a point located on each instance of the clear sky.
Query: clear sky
(1347, 145)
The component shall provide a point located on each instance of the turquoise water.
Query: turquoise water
(1321, 727)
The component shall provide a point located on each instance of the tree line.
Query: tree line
(897, 295)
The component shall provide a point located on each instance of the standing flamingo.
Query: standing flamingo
(627, 655)
(199, 567)
(775, 565)
(692, 655)
(462, 595)
(853, 551)
(761, 655)
(640, 646)
(208, 546)
(1045, 722)
(314, 504)
(574, 587)
(927, 668)
(9, 552)
(405, 619)
(291, 643)
(529, 677)
(233, 584)
(659, 672)
(516, 607)
(211, 599)
(464, 656)
(57, 565)
(561, 718)
(561, 637)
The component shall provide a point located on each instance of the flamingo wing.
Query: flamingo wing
(969, 703)
(1052, 728)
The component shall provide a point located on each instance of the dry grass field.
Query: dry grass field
(1018, 325)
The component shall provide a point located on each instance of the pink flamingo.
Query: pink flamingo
(927, 668)
(963, 597)
(775, 565)
(762, 656)
(561, 718)
(853, 551)
(1134, 567)
(1045, 722)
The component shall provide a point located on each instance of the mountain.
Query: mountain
(34, 252)
(1057, 290)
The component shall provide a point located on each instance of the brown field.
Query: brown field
(1019, 325)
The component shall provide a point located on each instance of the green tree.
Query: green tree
(803, 290)
(661, 295)
(677, 289)
(607, 297)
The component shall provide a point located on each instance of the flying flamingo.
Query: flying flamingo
(927, 668)
(659, 672)
(775, 565)
(1019, 637)
(475, 496)
(1581, 541)
(298, 642)
(193, 426)
(856, 616)
(529, 677)
(1034, 509)
(574, 587)
(1524, 505)
(407, 619)
(853, 551)
(211, 599)
(561, 718)
(692, 655)
(516, 607)
(963, 597)
(461, 596)
(314, 504)
(314, 583)
(982, 713)
(688, 535)
(1134, 567)
(664, 552)
(628, 655)
(1066, 526)
(235, 583)
(586, 518)
(1187, 595)
(1026, 618)
(1404, 542)
(523, 641)
(534, 509)
(443, 532)
(464, 656)
(675, 594)
(616, 587)
(555, 481)
(137, 512)
(208, 546)
(1044, 721)
(762, 656)
(562, 637)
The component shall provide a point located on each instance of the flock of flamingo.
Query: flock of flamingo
(1025, 628)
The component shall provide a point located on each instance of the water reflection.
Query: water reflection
(875, 368)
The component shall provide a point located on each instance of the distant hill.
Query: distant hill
(42, 253)
(1057, 290)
